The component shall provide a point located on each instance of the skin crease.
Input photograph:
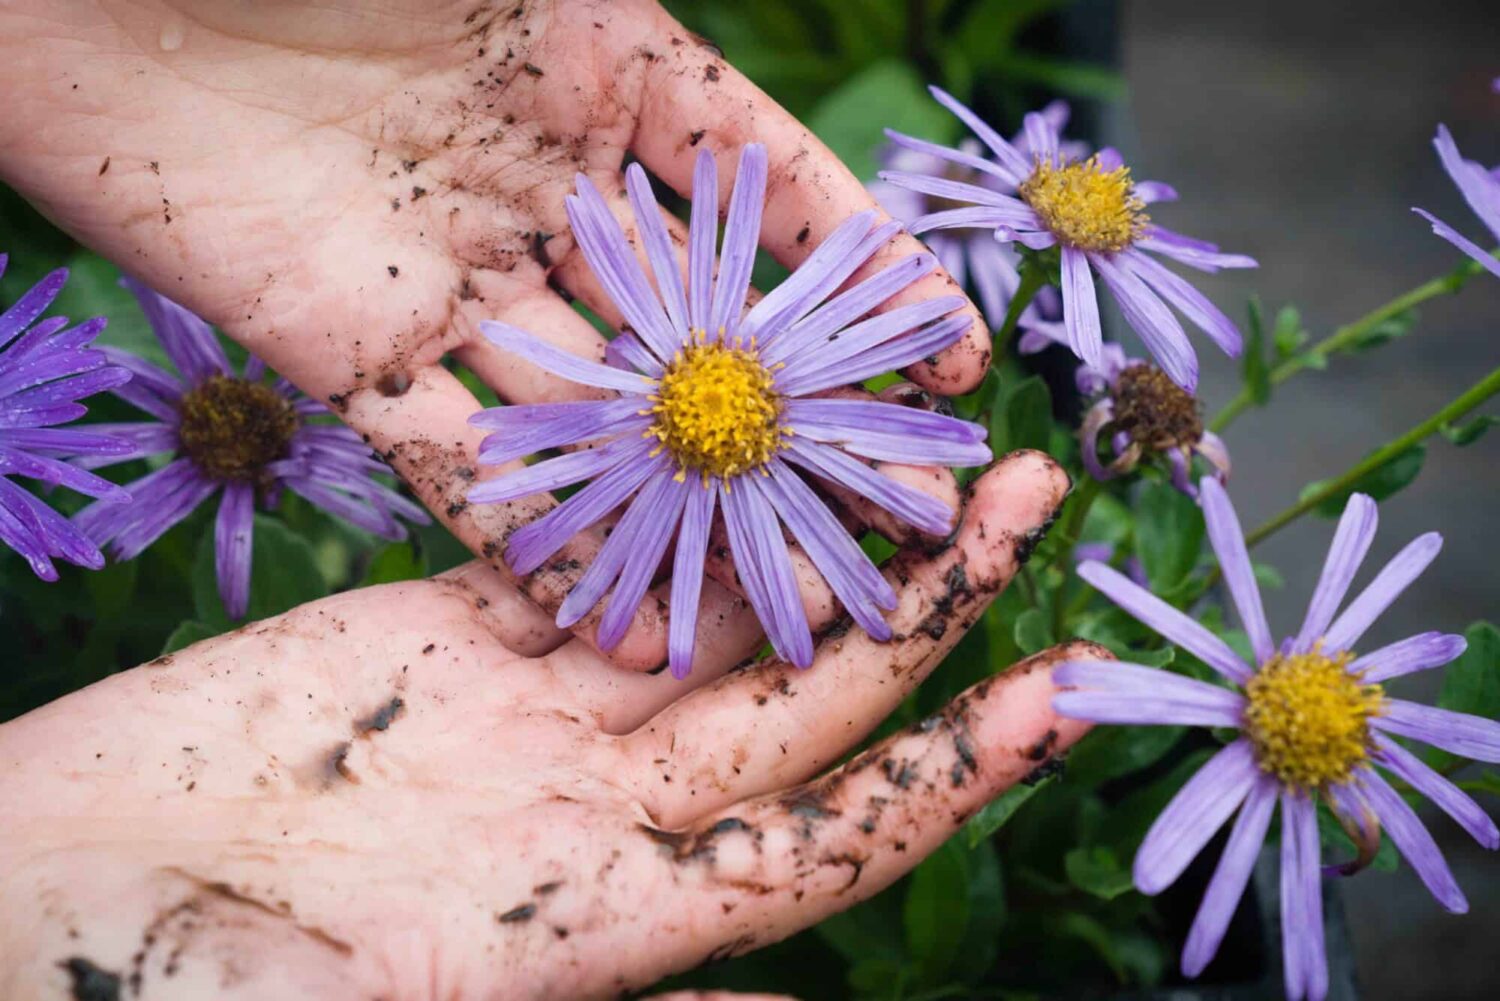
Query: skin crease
(372, 796)
(425, 790)
(349, 188)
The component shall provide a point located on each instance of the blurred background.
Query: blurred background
(1298, 132)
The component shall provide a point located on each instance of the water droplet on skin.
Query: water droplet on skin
(172, 34)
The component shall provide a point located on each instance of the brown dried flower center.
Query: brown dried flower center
(1157, 413)
(232, 428)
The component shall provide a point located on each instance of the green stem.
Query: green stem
(1032, 280)
(1471, 398)
(1079, 502)
(1350, 334)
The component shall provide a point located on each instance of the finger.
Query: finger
(517, 622)
(772, 725)
(760, 870)
(695, 100)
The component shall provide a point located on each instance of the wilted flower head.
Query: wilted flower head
(1094, 213)
(1480, 188)
(235, 435)
(45, 370)
(716, 410)
(1315, 723)
(972, 254)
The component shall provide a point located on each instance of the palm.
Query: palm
(349, 191)
(372, 797)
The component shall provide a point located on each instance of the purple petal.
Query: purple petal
(948, 153)
(1480, 190)
(1113, 707)
(1110, 159)
(1415, 653)
(1303, 956)
(31, 305)
(563, 363)
(531, 545)
(1228, 540)
(1405, 567)
(842, 310)
(741, 234)
(58, 473)
(331, 496)
(703, 234)
(993, 267)
(824, 270)
(233, 528)
(1155, 191)
(661, 500)
(687, 576)
(658, 245)
(907, 503)
(1013, 214)
(1135, 680)
(765, 568)
(528, 429)
(187, 339)
(1351, 541)
(1081, 308)
(896, 353)
(1166, 620)
(156, 505)
(1193, 816)
(1413, 840)
(1463, 243)
(1010, 159)
(1041, 140)
(1194, 253)
(613, 262)
(953, 191)
(838, 348)
(550, 474)
(1193, 304)
(849, 573)
(1230, 878)
(626, 352)
(1150, 318)
(1458, 733)
(1449, 798)
(1212, 448)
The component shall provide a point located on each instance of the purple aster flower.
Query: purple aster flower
(1480, 188)
(717, 410)
(44, 372)
(1315, 723)
(1094, 215)
(233, 435)
(974, 253)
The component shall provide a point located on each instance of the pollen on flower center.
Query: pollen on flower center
(1308, 718)
(1086, 206)
(233, 428)
(716, 411)
(1157, 413)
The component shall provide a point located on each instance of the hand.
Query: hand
(371, 796)
(349, 190)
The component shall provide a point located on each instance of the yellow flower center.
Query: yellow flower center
(716, 411)
(1308, 718)
(1085, 206)
(232, 428)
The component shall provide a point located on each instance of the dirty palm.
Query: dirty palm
(419, 220)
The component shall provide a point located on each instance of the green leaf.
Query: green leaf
(1168, 535)
(976, 952)
(94, 289)
(1033, 631)
(1469, 433)
(1386, 330)
(937, 910)
(1381, 483)
(846, 122)
(1028, 417)
(188, 633)
(1112, 751)
(1257, 374)
(1471, 684)
(284, 574)
(1000, 809)
(112, 588)
(1288, 336)
(1096, 871)
(1075, 79)
(870, 930)
(396, 561)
